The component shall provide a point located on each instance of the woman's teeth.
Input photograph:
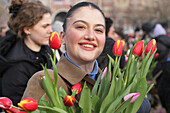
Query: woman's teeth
(88, 46)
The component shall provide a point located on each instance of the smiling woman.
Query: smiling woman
(84, 38)
(22, 51)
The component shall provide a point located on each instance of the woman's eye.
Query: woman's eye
(80, 27)
(100, 31)
(45, 26)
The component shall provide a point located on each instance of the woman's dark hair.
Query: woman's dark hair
(25, 14)
(108, 23)
(77, 6)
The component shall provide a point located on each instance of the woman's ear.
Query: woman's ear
(27, 30)
(62, 37)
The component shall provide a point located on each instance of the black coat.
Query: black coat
(18, 63)
(163, 46)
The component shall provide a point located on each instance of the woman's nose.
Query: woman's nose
(90, 35)
(50, 30)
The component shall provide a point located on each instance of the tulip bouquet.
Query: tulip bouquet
(115, 91)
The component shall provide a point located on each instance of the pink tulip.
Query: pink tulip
(135, 96)
(104, 73)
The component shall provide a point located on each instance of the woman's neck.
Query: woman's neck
(86, 66)
(32, 45)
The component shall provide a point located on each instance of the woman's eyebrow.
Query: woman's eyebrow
(100, 25)
(80, 21)
(86, 23)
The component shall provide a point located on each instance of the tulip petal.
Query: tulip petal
(28, 104)
(5, 103)
(76, 87)
(135, 96)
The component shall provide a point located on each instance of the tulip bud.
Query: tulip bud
(76, 87)
(156, 55)
(104, 73)
(138, 49)
(69, 101)
(152, 44)
(126, 59)
(5, 103)
(135, 96)
(13, 110)
(28, 104)
(118, 47)
(55, 41)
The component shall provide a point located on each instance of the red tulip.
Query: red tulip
(118, 47)
(69, 101)
(135, 96)
(5, 103)
(156, 55)
(76, 87)
(152, 44)
(28, 104)
(13, 110)
(55, 41)
(138, 49)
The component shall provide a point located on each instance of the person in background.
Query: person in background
(161, 71)
(111, 37)
(25, 48)
(3, 30)
(147, 28)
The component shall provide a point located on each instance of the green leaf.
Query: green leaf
(62, 92)
(94, 100)
(95, 87)
(149, 87)
(116, 102)
(58, 110)
(49, 89)
(148, 63)
(122, 106)
(55, 74)
(132, 70)
(85, 101)
(78, 110)
(127, 66)
(141, 87)
(107, 82)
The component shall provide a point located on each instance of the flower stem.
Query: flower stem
(16, 107)
(54, 56)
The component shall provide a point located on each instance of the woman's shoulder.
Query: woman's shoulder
(35, 86)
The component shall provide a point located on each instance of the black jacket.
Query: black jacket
(18, 63)
(163, 46)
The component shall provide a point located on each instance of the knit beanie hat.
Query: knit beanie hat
(158, 30)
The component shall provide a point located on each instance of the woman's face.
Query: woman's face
(40, 32)
(85, 35)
